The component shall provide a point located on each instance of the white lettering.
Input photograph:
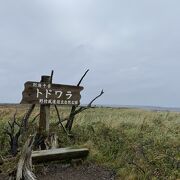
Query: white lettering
(69, 94)
(34, 84)
(58, 92)
(38, 93)
(48, 92)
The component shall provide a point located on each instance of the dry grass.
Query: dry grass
(137, 144)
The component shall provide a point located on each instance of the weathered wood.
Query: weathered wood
(47, 93)
(44, 111)
(54, 141)
(24, 168)
(58, 154)
(44, 119)
(51, 141)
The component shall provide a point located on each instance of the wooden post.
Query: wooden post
(44, 111)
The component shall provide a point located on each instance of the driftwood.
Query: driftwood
(59, 154)
(24, 168)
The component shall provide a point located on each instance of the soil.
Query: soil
(71, 172)
(80, 172)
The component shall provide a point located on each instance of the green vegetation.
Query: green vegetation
(137, 144)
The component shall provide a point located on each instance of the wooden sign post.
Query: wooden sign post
(44, 110)
(45, 93)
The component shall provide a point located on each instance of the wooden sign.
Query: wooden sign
(46, 93)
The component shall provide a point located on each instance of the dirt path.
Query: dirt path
(82, 172)
(68, 172)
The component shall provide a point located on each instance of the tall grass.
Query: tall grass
(137, 144)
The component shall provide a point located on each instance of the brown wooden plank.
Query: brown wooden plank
(59, 154)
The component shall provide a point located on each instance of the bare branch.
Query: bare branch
(19, 125)
(6, 131)
(13, 134)
(26, 117)
(74, 112)
(10, 125)
(60, 120)
(102, 92)
(52, 72)
(89, 105)
(73, 109)
(65, 119)
(35, 118)
(82, 78)
(14, 117)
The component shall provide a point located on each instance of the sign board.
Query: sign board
(45, 93)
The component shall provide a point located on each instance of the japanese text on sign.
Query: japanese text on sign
(42, 93)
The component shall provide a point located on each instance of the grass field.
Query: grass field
(137, 144)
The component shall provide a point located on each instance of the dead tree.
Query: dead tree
(13, 131)
(76, 110)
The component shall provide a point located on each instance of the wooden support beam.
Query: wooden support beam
(59, 154)
(44, 111)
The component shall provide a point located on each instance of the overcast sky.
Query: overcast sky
(132, 48)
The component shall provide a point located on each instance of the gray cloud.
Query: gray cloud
(131, 48)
